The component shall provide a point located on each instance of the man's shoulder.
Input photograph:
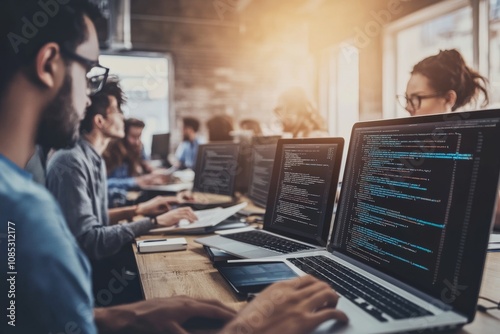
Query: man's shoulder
(27, 202)
(69, 159)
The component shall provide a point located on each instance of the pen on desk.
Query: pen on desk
(153, 240)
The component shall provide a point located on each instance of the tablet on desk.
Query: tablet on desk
(252, 277)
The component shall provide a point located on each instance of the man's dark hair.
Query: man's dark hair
(133, 123)
(190, 122)
(27, 25)
(100, 102)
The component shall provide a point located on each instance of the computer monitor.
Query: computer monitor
(160, 146)
(245, 160)
(216, 168)
(261, 169)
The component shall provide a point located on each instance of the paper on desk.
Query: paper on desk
(494, 238)
(206, 218)
(494, 243)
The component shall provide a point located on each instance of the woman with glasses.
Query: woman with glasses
(442, 83)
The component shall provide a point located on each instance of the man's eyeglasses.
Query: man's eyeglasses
(96, 74)
(414, 101)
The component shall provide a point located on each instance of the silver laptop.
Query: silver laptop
(411, 230)
(299, 205)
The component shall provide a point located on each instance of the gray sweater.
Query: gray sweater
(77, 179)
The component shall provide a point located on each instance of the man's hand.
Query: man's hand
(185, 196)
(151, 180)
(164, 315)
(173, 217)
(292, 307)
(155, 206)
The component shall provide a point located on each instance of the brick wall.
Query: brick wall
(237, 63)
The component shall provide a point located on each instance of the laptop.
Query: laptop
(245, 160)
(215, 174)
(299, 205)
(260, 173)
(160, 146)
(412, 226)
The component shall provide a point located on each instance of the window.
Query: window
(494, 33)
(145, 80)
(339, 90)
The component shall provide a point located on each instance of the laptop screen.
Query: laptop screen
(216, 168)
(302, 191)
(160, 146)
(418, 198)
(260, 175)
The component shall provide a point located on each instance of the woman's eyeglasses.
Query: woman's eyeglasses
(414, 101)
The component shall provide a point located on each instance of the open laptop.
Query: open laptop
(299, 205)
(160, 146)
(412, 226)
(261, 169)
(215, 174)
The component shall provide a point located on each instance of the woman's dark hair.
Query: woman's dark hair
(447, 71)
(27, 25)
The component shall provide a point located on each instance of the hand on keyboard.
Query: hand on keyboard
(292, 307)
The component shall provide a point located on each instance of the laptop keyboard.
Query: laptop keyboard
(370, 296)
(268, 241)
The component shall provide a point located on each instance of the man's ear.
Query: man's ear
(99, 121)
(50, 66)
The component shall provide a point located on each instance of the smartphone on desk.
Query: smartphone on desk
(249, 278)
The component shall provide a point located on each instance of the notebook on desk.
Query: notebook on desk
(413, 221)
(299, 205)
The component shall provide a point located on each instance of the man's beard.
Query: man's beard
(59, 122)
(185, 137)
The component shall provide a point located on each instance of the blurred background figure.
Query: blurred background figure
(251, 125)
(298, 116)
(443, 83)
(188, 150)
(220, 128)
(126, 164)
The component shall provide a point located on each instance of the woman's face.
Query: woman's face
(424, 99)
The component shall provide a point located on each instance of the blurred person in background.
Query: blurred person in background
(126, 162)
(298, 115)
(220, 128)
(251, 125)
(188, 149)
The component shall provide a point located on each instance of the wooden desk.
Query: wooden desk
(191, 273)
